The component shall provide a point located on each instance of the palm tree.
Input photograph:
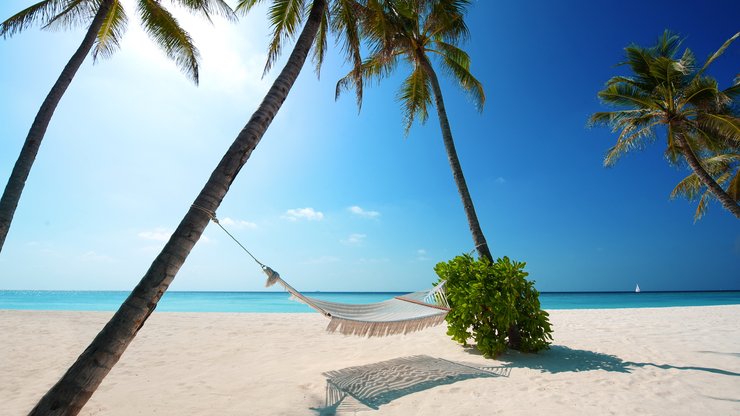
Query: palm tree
(76, 386)
(672, 93)
(411, 30)
(106, 20)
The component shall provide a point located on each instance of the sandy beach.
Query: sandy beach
(677, 361)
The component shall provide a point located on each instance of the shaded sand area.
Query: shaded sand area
(677, 361)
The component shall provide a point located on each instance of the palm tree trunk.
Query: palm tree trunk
(22, 168)
(478, 239)
(716, 190)
(73, 390)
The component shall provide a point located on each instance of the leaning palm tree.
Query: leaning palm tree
(671, 92)
(411, 31)
(76, 386)
(106, 23)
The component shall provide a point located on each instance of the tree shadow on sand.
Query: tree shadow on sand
(370, 386)
(559, 359)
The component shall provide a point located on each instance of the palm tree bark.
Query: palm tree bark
(478, 238)
(716, 190)
(73, 390)
(22, 167)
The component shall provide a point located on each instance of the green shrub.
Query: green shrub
(494, 305)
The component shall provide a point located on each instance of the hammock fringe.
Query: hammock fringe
(381, 329)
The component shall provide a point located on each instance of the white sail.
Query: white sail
(637, 288)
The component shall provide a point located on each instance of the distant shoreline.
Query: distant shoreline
(280, 302)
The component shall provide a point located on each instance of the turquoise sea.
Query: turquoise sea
(279, 302)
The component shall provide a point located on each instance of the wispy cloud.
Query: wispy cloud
(303, 213)
(238, 224)
(363, 213)
(421, 255)
(500, 179)
(354, 239)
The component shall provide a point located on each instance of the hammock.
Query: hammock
(403, 314)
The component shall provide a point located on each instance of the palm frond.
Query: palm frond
(40, 13)
(689, 188)
(692, 188)
(621, 118)
(446, 21)
(631, 138)
(717, 54)
(245, 6)
(733, 189)
(110, 34)
(701, 207)
(625, 95)
(733, 91)
(285, 18)
(667, 71)
(76, 13)
(206, 8)
(687, 63)
(374, 68)
(723, 126)
(415, 96)
(703, 92)
(164, 29)
(346, 17)
(456, 63)
(319, 45)
(667, 45)
(639, 60)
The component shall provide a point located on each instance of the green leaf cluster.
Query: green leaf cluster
(493, 304)
(667, 91)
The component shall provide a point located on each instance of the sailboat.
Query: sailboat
(637, 288)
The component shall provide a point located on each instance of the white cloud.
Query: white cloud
(500, 179)
(362, 213)
(421, 255)
(238, 224)
(157, 234)
(303, 213)
(354, 239)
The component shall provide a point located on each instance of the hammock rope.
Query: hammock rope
(400, 315)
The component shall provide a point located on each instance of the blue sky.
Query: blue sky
(334, 200)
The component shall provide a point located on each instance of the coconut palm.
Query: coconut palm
(411, 31)
(106, 23)
(76, 386)
(671, 92)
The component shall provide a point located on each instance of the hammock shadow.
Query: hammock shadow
(559, 359)
(373, 385)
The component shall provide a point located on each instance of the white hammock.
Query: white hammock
(400, 315)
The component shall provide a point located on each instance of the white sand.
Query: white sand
(671, 361)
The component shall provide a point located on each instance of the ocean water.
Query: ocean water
(280, 302)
